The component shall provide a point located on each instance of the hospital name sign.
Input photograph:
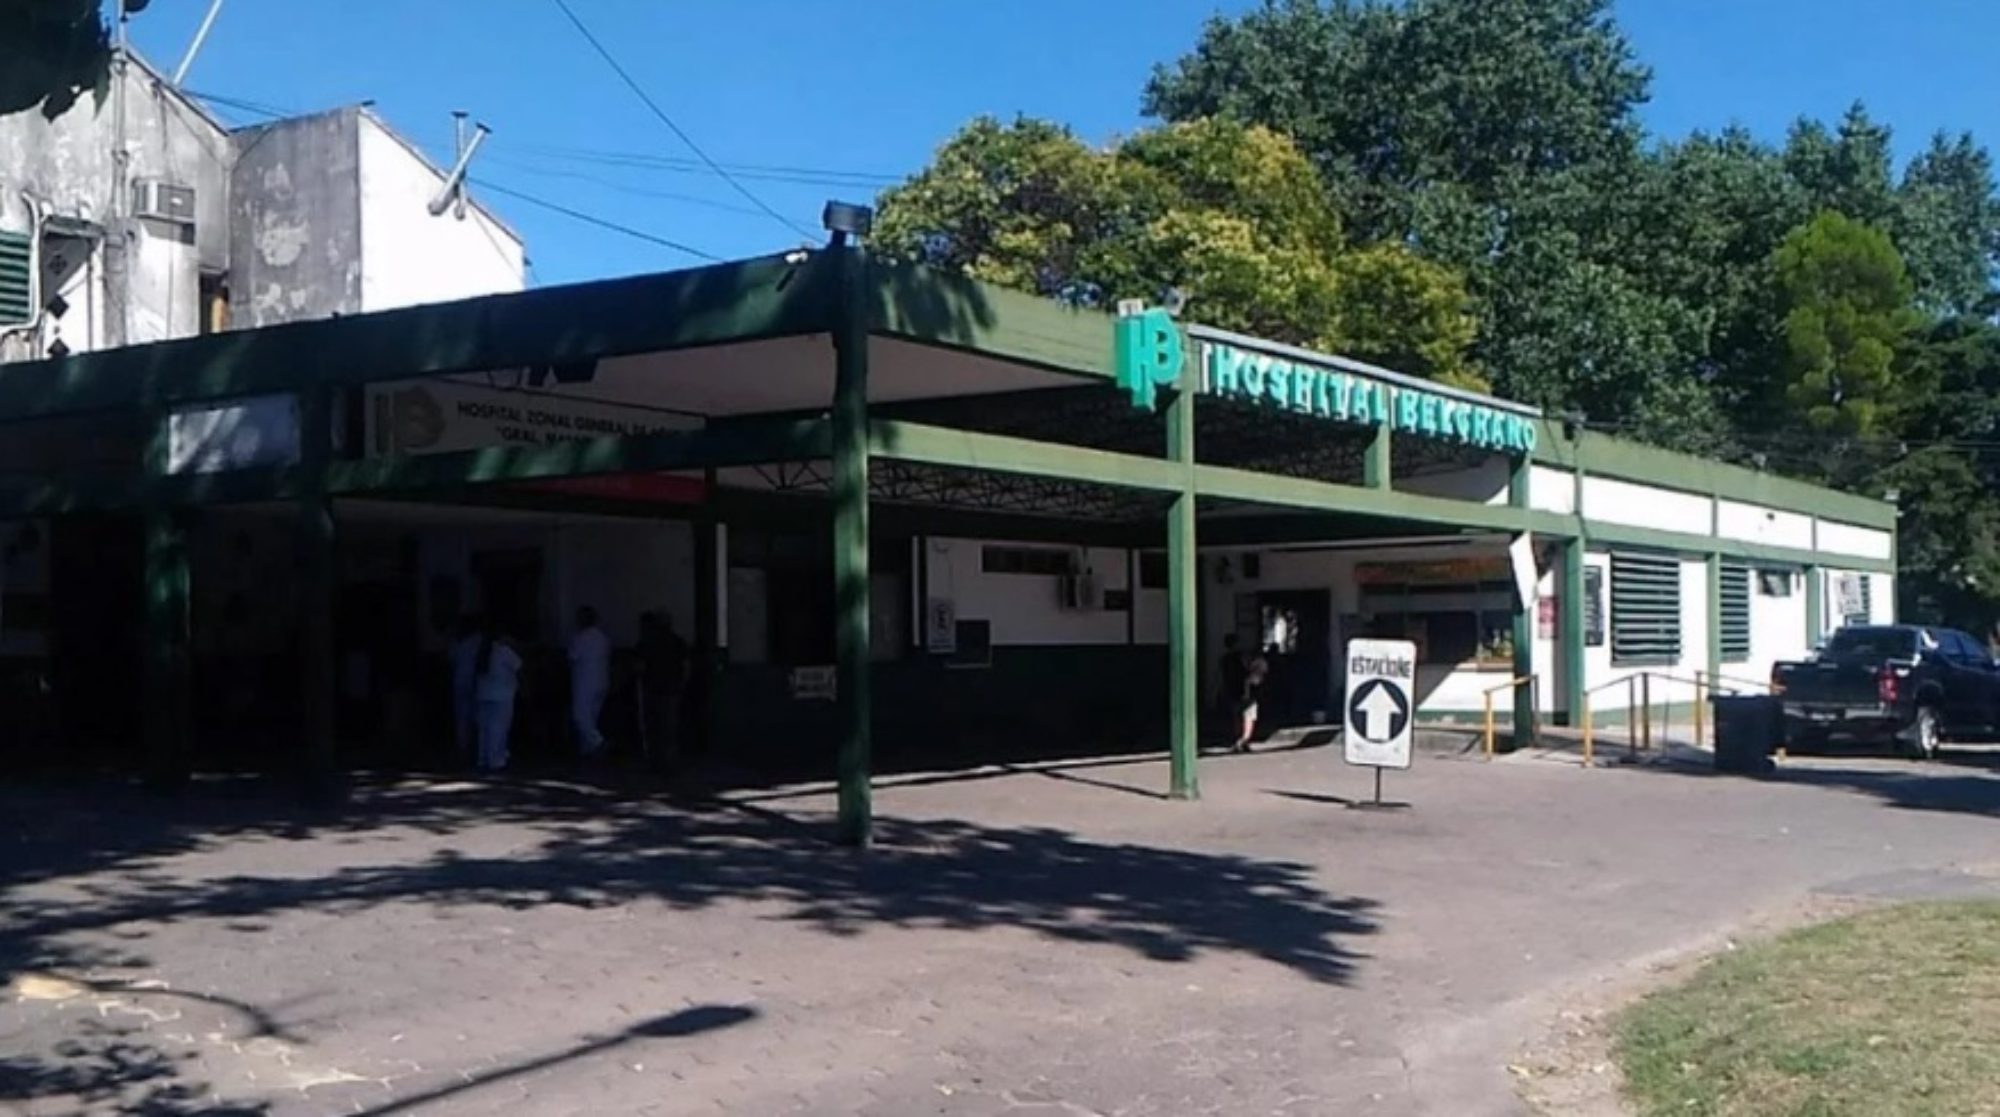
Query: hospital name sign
(1308, 389)
(1149, 356)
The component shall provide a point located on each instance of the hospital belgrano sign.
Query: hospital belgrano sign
(442, 416)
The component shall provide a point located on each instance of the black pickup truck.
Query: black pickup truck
(1905, 686)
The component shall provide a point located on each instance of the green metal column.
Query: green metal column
(1377, 464)
(166, 700)
(700, 688)
(1570, 637)
(1183, 595)
(1714, 614)
(850, 545)
(317, 575)
(1815, 606)
(1525, 696)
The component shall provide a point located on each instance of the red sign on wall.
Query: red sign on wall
(634, 488)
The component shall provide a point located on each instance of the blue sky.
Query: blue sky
(839, 100)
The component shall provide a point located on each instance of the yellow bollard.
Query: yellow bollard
(1700, 715)
(1632, 715)
(1489, 725)
(1646, 711)
(1588, 753)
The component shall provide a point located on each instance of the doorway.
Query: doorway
(510, 590)
(1295, 638)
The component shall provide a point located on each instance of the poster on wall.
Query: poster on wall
(1593, 606)
(814, 684)
(941, 626)
(442, 416)
(1545, 618)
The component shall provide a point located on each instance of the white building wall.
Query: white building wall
(408, 257)
(1845, 539)
(1440, 689)
(1751, 523)
(1777, 632)
(1026, 609)
(1601, 673)
(1622, 502)
(1552, 490)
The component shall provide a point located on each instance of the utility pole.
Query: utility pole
(118, 242)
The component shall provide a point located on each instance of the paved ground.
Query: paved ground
(1061, 943)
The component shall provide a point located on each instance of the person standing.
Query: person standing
(1255, 673)
(663, 659)
(498, 672)
(465, 646)
(589, 680)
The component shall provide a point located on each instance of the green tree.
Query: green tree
(1845, 299)
(51, 51)
(1948, 225)
(1947, 480)
(1498, 137)
(1231, 215)
(1846, 169)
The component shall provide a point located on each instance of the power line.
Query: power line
(622, 187)
(604, 53)
(590, 219)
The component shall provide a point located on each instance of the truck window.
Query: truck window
(1872, 643)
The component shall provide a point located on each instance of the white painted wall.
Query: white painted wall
(1485, 483)
(1026, 609)
(1600, 673)
(619, 567)
(1442, 690)
(408, 257)
(1846, 539)
(1751, 523)
(1552, 490)
(1622, 502)
(1777, 633)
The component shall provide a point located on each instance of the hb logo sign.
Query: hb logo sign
(1149, 355)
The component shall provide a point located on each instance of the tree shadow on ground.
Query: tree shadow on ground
(589, 848)
(90, 874)
(1957, 782)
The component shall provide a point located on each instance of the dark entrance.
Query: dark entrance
(1297, 639)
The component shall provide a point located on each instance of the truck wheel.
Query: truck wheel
(1925, 734)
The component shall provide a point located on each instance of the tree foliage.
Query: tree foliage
(52, 51)
(1845, 300)
(1232, 216)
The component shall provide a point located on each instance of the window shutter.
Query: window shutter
(1645, 609)
(17, 281)
(1735, 594)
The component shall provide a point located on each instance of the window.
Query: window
(1774, 581)
(1047, 562)
(1735, 594)
(1152, 570)
(1872, 643)
(1645, 609)
(17, 279)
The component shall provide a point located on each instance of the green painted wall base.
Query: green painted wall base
(1033, 703)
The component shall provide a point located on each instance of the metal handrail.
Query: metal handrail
(1512, 684)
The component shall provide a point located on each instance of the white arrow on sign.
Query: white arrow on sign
(1378, 711)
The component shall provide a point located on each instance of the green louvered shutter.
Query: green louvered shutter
(1645, 609)
(17, 305)
(1735, 594)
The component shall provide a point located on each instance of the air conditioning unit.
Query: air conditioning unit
(163, 201)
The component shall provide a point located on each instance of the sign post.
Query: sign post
(1381, 707)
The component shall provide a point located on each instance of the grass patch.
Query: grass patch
(1892, 1012)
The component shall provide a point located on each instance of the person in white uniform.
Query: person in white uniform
(465, 647)
(589, 680)
(499, 675)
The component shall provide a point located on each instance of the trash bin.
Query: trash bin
(1747, 731)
